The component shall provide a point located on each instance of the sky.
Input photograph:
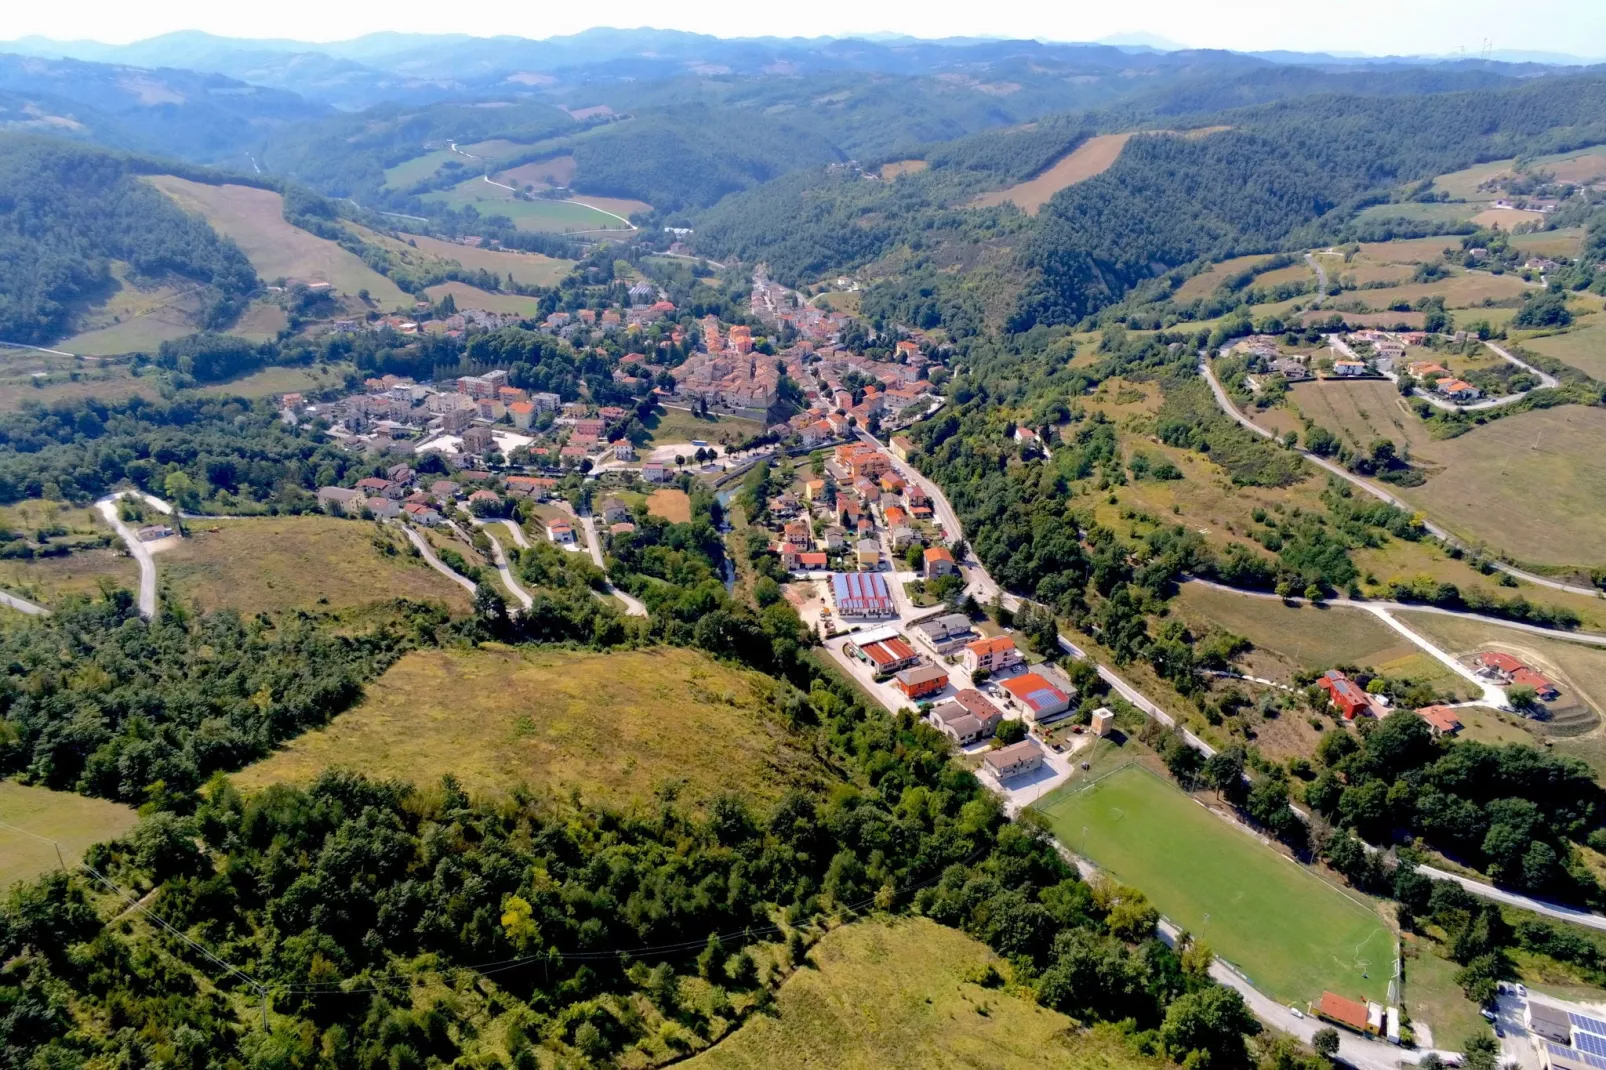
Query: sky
(1381, 27)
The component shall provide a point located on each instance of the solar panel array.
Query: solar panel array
(1565, 1056)
(1587, 1024)
(1590, 1043)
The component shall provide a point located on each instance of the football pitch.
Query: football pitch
(1291, 932)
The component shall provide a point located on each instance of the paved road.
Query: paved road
(426, 551)
(1545, 380)
(23, 605)
(505, 571)
(1516, 899)
(139, 551)
(1375, 491)
(633, 607)
(1321, 279)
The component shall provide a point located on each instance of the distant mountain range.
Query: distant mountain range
(412, 68)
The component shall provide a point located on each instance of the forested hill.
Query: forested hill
(1293, 168)
(67, 210)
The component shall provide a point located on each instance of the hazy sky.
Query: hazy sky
(1372, 26)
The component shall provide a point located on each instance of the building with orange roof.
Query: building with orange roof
(522, 413)
(939, 561)
(1348, 1013)
(1441, 720)
(990, 655)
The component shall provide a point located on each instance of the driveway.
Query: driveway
(107, 507)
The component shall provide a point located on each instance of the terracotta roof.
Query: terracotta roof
(1344, 1011)
(1442, 718)
(1496, 659)
(996, 645)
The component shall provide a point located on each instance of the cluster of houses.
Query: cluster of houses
(840, 518)
(1509, 669)
(1352, 701)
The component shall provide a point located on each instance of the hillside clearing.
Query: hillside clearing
(1291, 932)
(1506, 218)
(279, 380)
(82, 573)
(271, 564)
(538, 214)
(1583, 347)
(895, 996)
(1293, 637)
(671, 504)
(1093, 156)
(254, 218)
(1532, 485)
(897, 168)
(680, 425)
(74, 821)
(543, 174)
(619, 728)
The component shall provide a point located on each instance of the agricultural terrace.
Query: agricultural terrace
(532, 269)
(1092, 157)
(73, 821)
(272, 564)
(1531, 485)
(254, 218)
(898, 996)
(1290, 931)
(621, 728)
(539, 214)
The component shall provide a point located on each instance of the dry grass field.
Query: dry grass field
(895, 995)
(260, 322)
(890, 171)
(1360, 412)
(254, 218)
(530, 268)
(137, 317)
(1564, 242)
(1406, 251)
(1589, 166)
(83, 573)
(1205, 283)
(562, 217)
(297, 562)
(1385, 320)
(1464, 185)
(620, 728)
(467, 296)
(280, 380)
(543, 174)
(1583, 347)
(671, 504)
(1296, 636)
(29, 376)
(623, 206)
(1532, 485)
(1094, 156)
(1461, 290)
(1420, 212)
(1506, 218)
(73, 821)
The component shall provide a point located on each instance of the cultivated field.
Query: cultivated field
(1564, 242)
(1093, 156)
(1205, 283)
(467, 296)
(1583, 347)
(1464, 185)
(1405, 251)
(673, 505)
(534, 215)
(619, 728)
(1361, 412)
(1506, 218)
(280, 380)
(1532, 485)
(1290, 931)
(26, 375)
(543, 174)
(297, 562)
(1419, 212)
(411, 172)
(529, 268)
(1295, 637)
(1462, 290)
(73, 821)
(254, 218)
(895, 996)
(260, 322)
(890, 171)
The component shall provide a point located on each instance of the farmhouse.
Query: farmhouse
(861, 594)
(560, 532)
(1038, 699)
(920, 681)
(1498, 664)
(1458, 390)
(1013, 760)
(1441, 720)
(1539, 682)
(341, 498)
(1350, 699)
(990, 655)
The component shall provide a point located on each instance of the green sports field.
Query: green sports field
(1290, 931)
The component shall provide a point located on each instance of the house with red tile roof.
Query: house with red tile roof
(990, 655)
(1345, 694)
(1441, 720)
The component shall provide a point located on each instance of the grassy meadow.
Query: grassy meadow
(619, 728)
(882, 995)
(535, 215)
(467, 296)
(73, 821)
(529, 268)
(680, 425)
(1290, 931)
(274, 564)
(254, 218)
(1294, 637)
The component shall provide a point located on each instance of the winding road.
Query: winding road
(502, 566)
(633, 607)
(1375, 491)
(427, 552)
(107, 507)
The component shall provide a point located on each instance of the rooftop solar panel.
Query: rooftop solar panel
(1562, 1055)
(1587, 1024)
(1590, 1043)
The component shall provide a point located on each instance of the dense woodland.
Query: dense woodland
(67, 211)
